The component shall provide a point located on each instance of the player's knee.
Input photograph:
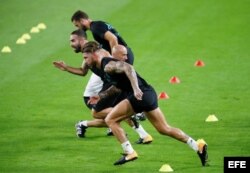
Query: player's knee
(108, 121)
(164, 131)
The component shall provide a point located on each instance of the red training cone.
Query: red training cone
(174, 80)
(199, 63)
(163, 95)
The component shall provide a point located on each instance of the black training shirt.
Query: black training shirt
(99, 28)
(120, 80)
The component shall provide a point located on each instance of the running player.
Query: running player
(140, 97)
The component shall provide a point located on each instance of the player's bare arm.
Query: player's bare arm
(84, 68)
(123, 67)
(109, 92)
(60, 65)
(111, 38)
(82, 71)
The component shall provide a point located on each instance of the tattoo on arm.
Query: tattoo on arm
(123, 67)
(131, 74)
(115, 67)
(109, 92)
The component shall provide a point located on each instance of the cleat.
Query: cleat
(126, 158)
(202, 153)
(109, 132)
(148, 139)
(80, 130)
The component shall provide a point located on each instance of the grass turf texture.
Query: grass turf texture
(39, 104)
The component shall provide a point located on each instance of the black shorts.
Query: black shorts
(110, 101)
(148, 103)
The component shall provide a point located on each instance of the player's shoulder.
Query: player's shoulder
(98, 23)
(107, 60)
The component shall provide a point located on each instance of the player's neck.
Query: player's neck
(98, 62)
(88, 23)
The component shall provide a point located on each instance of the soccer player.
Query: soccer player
(140, 97)
(106, 104)
(104, 33)
(77, 40)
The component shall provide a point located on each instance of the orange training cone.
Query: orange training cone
(174, 80)
(163, 95)
(199, 63)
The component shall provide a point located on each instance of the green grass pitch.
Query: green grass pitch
(39, 105)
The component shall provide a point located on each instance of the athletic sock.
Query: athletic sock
(84, 123)
(127, 147)
(192, 144)
(141, 132)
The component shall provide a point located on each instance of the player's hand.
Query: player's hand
(138, 94)
(60, 64)
(93, 100)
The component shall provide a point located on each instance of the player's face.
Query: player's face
(76, 43)
(88, 58)
(120, 55)
(80, 24)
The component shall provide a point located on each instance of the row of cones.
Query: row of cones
(210, 118)
(176, 80)
(26, 36)
(164, 95)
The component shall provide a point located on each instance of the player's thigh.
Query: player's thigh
(157, 119)
(105, 103)
(120, 112)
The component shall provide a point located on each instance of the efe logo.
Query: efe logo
(236, 164)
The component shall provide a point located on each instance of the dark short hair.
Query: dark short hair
(79, 15)
(80, 33)
(91, 47)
